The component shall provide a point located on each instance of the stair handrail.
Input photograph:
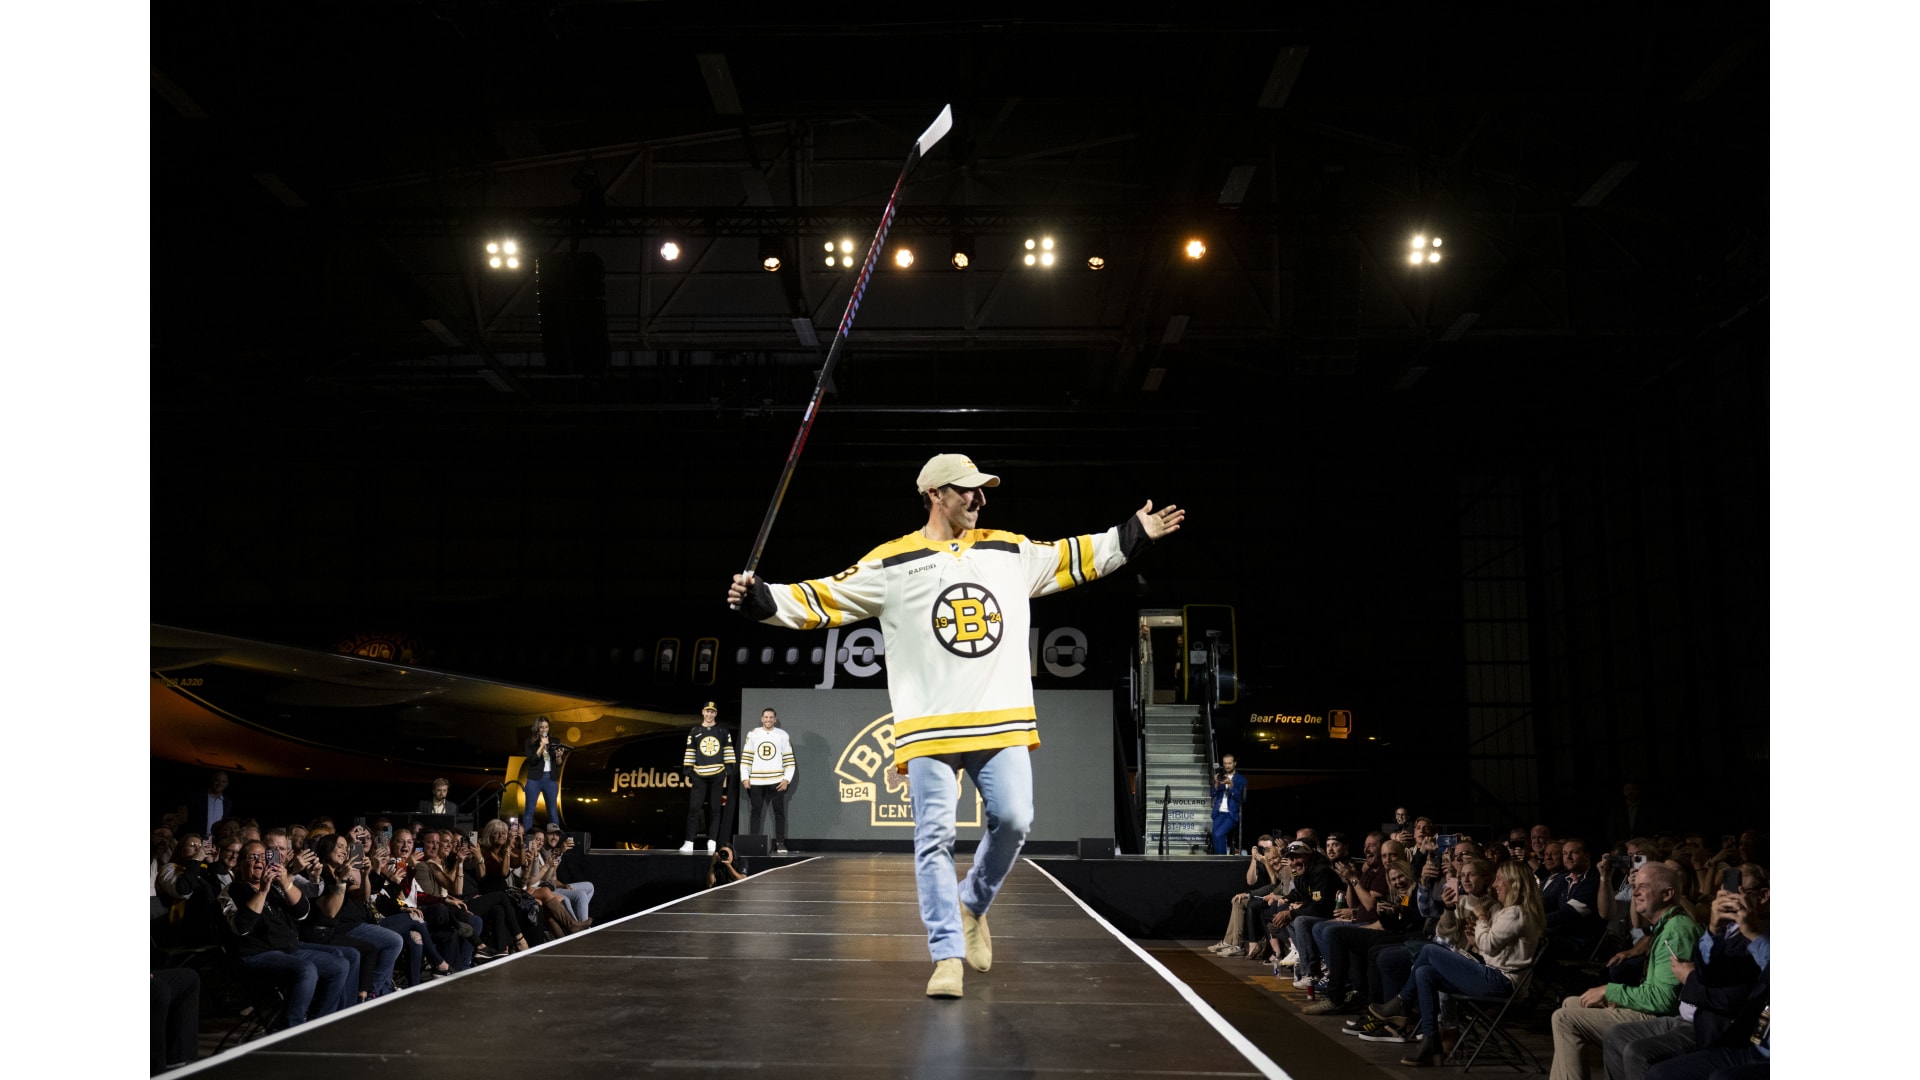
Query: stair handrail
(1166, 801)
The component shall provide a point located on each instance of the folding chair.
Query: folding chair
(1485, 1018)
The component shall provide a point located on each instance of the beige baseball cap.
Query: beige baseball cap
(956, 469)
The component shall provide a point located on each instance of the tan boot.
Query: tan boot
(979, 942)
(947, 976)
(558, 913)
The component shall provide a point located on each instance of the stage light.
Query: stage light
(1196, 248)
(770, 263)
(1436, 241)
(1031, 258)
(1425, 250)
(669, 251)
(961, 252)
(770, 253)
(1046, 258)
(1416, 258)
(1095, 262)
(960, 260)
(496, 249)
(903, 258)
(1433, 256)
(1046, 243)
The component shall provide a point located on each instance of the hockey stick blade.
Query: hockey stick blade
(934, 133)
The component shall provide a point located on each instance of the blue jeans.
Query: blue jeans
(1300, 930)
(550, 787)
(349, 991)
(578, 897)
(312, 981)
(1005, 780)
(1439, 971)
(389, 944)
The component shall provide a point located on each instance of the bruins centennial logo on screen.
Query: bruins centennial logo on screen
(966, 619)
(865, 771)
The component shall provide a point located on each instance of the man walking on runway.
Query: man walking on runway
(952, 603)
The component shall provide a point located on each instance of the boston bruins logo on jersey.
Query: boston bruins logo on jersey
(709, 747)
(966, 619)
(766, 751)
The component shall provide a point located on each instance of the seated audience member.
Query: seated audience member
(578, 894)
(1346, 944)
(1721, 994)
(344, 905)
(1552, 864)
(1572, 902)
(390, 894)
(1538, 838)
(435, 885)
(544, 885)
(1506, 941)
(510, 929)
(1262, 875)
(1580, 1023)
(1315, 887)
(264, 918)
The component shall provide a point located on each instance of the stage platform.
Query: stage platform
(816, 967)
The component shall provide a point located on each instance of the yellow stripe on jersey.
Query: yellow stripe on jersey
(954, 733)
(1075, 565)
(822, 609)
(935, 747)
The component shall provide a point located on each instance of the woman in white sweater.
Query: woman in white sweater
(1506, 942)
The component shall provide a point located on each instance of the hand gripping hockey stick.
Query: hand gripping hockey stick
(935, 131)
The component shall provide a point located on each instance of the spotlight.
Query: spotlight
(494, 261)
(961, 253)
(770, 263)
(903, 258)
(1031, 258)
(510, 247)
(1433, 256)
(960, 260)
(1046, 258)
(1095, 262)
(1425, 250)
(514, 263)
(1416, 258)
(493, 249)
(770, 256)
(669, 251)
(1196, 248)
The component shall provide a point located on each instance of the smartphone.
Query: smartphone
(1730, 879)
(355, 852)
(359, 823)
(1447, 840)
(273, 857)
(1639, 861)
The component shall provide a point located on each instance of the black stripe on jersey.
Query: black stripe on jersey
(996, 545)
(813, 602)
(1073, 568)
(964, 731)
(907, 557)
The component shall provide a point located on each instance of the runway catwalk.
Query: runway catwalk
(813, 969)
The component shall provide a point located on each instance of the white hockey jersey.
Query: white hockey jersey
(769, 757)
(955, 617)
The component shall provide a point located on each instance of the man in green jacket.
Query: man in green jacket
(1580, 1023)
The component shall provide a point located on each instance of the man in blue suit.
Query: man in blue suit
(1229, 790)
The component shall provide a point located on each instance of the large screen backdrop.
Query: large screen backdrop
(845, 788)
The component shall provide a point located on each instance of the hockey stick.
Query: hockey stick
(935, 131)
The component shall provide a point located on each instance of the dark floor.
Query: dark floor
(1255, 1000)
(818, 968)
